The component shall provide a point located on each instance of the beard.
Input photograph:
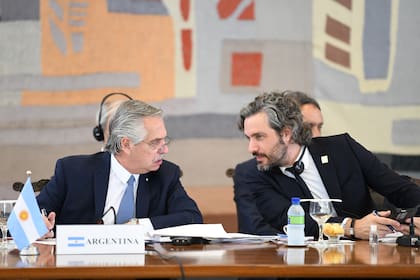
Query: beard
(276, 157)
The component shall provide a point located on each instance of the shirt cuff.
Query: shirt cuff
(147, 224)
(344, 222)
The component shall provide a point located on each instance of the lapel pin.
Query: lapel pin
(324, 159)
(147, 179)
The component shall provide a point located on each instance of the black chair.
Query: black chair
(37, 186)
(230, 172)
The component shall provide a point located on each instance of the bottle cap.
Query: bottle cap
(295, 200)
(373, 227)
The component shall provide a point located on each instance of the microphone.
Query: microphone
(410, 240)
(101, 221)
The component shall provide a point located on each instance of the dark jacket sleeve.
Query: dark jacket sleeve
(249, 217)
(398, 189)
(169, 205)
(71, 191)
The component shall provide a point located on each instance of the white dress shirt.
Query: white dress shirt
(311, 177)
(117, 184)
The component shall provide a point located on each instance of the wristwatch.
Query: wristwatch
(351, 229)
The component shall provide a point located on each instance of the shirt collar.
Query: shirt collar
(303, 159)
(119, 170)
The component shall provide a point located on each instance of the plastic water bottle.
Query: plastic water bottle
(296, 224)
(373, 241)
(373, 235)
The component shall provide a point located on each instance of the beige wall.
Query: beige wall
(203, 162)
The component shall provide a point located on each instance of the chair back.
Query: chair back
(37, 186)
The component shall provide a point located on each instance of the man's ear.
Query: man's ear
(125, 144)
(286, 134)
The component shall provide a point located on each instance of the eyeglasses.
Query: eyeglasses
(159, 143)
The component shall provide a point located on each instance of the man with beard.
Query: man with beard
(129, 180)
(249, 218)
(331, 167)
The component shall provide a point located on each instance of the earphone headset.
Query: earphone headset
(98, 132)
(298, 166)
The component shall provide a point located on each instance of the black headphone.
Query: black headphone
(98, 132)
(298, 166)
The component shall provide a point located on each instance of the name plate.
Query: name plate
(100, 239)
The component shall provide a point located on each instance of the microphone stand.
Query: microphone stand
(410, 240)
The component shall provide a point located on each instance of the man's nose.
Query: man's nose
(252, 147)
(164, 149)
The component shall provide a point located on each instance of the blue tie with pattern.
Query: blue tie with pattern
(126, 210)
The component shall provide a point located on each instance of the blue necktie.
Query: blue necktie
(126, 210)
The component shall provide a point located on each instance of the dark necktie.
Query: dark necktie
(126, 210)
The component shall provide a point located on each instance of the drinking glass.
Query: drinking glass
(6, 207)
(320, 210)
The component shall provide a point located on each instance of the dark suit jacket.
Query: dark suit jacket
(78, 189)
(349, 171)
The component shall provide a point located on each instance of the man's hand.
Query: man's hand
(50, 223)
(384, 224)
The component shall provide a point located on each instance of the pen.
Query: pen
(375, 212)
(45, 214)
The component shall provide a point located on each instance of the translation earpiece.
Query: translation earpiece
(98, 131)
(298, 167)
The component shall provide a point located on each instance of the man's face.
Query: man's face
(265, 144)
(313, 116)
(147, 155)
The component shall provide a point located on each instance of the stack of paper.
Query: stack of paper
(213, 232)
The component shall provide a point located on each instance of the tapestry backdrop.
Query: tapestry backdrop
(201, 61)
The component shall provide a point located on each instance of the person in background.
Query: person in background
(311, 111)
(103, 116)
(249, 218)
(332, 167)
(89, 189)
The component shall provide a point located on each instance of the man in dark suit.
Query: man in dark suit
(249, 217)
(333, 167)
(89, 189)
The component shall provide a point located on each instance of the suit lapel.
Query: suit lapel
(289, 185)
(327, 171)
(100, 184)
(143, 196)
